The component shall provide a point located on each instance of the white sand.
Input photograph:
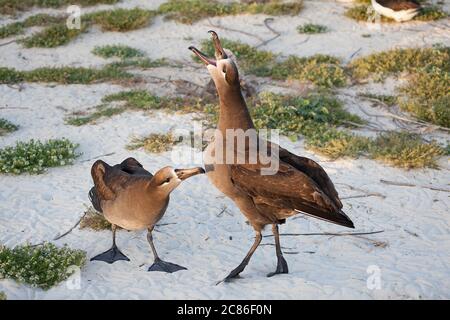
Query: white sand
(412, 253)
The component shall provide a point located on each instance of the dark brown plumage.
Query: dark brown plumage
(132, 198)
(300, 185)
(398, 5)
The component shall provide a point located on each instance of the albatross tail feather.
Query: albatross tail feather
(94, 199)
(339, 218)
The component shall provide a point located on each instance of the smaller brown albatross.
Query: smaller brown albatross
(300, 185)
(132, 198)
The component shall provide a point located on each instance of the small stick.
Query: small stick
(366, 193)
(21, 108)
(326, 234)
(404, 184)
(6, 43)
(355, 53)
(102, 155)
(70, 230)
(165, 224)
(371, 194)
(277, 34)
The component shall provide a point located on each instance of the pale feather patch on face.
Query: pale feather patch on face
(219, 71)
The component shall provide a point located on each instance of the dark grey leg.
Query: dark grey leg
(113, 254)
(282, 266)
(243, 264)
(160, 265)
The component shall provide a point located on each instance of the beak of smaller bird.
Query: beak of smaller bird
(218, 51)
(183, 174)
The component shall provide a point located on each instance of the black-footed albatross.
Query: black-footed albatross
(399, 10)
(132, 198)
(300, 185)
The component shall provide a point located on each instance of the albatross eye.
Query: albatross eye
(165, 181)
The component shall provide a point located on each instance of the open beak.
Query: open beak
(183, 174)
(202, 56)
(218, 50)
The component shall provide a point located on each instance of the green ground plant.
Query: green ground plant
(319, 119)
(380, 65)
(426, 93)
(35, 157)
(3, 296)
(7, 127)
(321, 70)
(120, 20)
(154, 143)
(190, 11)
(64, 75)
(40, 19)
(427, 96)
(94, 220)
(53, 36)
(42, 266)
(56, 33)
(389, 100)
(13, 6)
(406, 150)
(117, 51)
(312, 28)
(139, 100)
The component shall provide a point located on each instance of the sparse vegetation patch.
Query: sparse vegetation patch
(35, 156)
(53, 36)
(382, 64)
(322, 70)
(117, 51)
(120, 20)
(386, 99)
(7, 127)
(154, 143)
(94, 220)
(312, 28)
(41, 266)
(426, 94)
(190, 11)
(318, 118)
(40, 19)
(63, 75)
(56, 32)
(12, 6)
(406, 150)
(139, 100)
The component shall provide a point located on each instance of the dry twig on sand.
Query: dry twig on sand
(405, 184)
(326, 234)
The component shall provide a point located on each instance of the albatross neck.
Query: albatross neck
(234, 113)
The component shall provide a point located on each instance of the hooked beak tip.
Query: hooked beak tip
(213, 33)
(183, 174)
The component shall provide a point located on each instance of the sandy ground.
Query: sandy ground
(411, 257)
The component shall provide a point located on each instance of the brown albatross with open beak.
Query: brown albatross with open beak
(132, 198)
(300, 185)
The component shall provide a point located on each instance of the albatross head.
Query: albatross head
(223, 70)
(168, 178)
